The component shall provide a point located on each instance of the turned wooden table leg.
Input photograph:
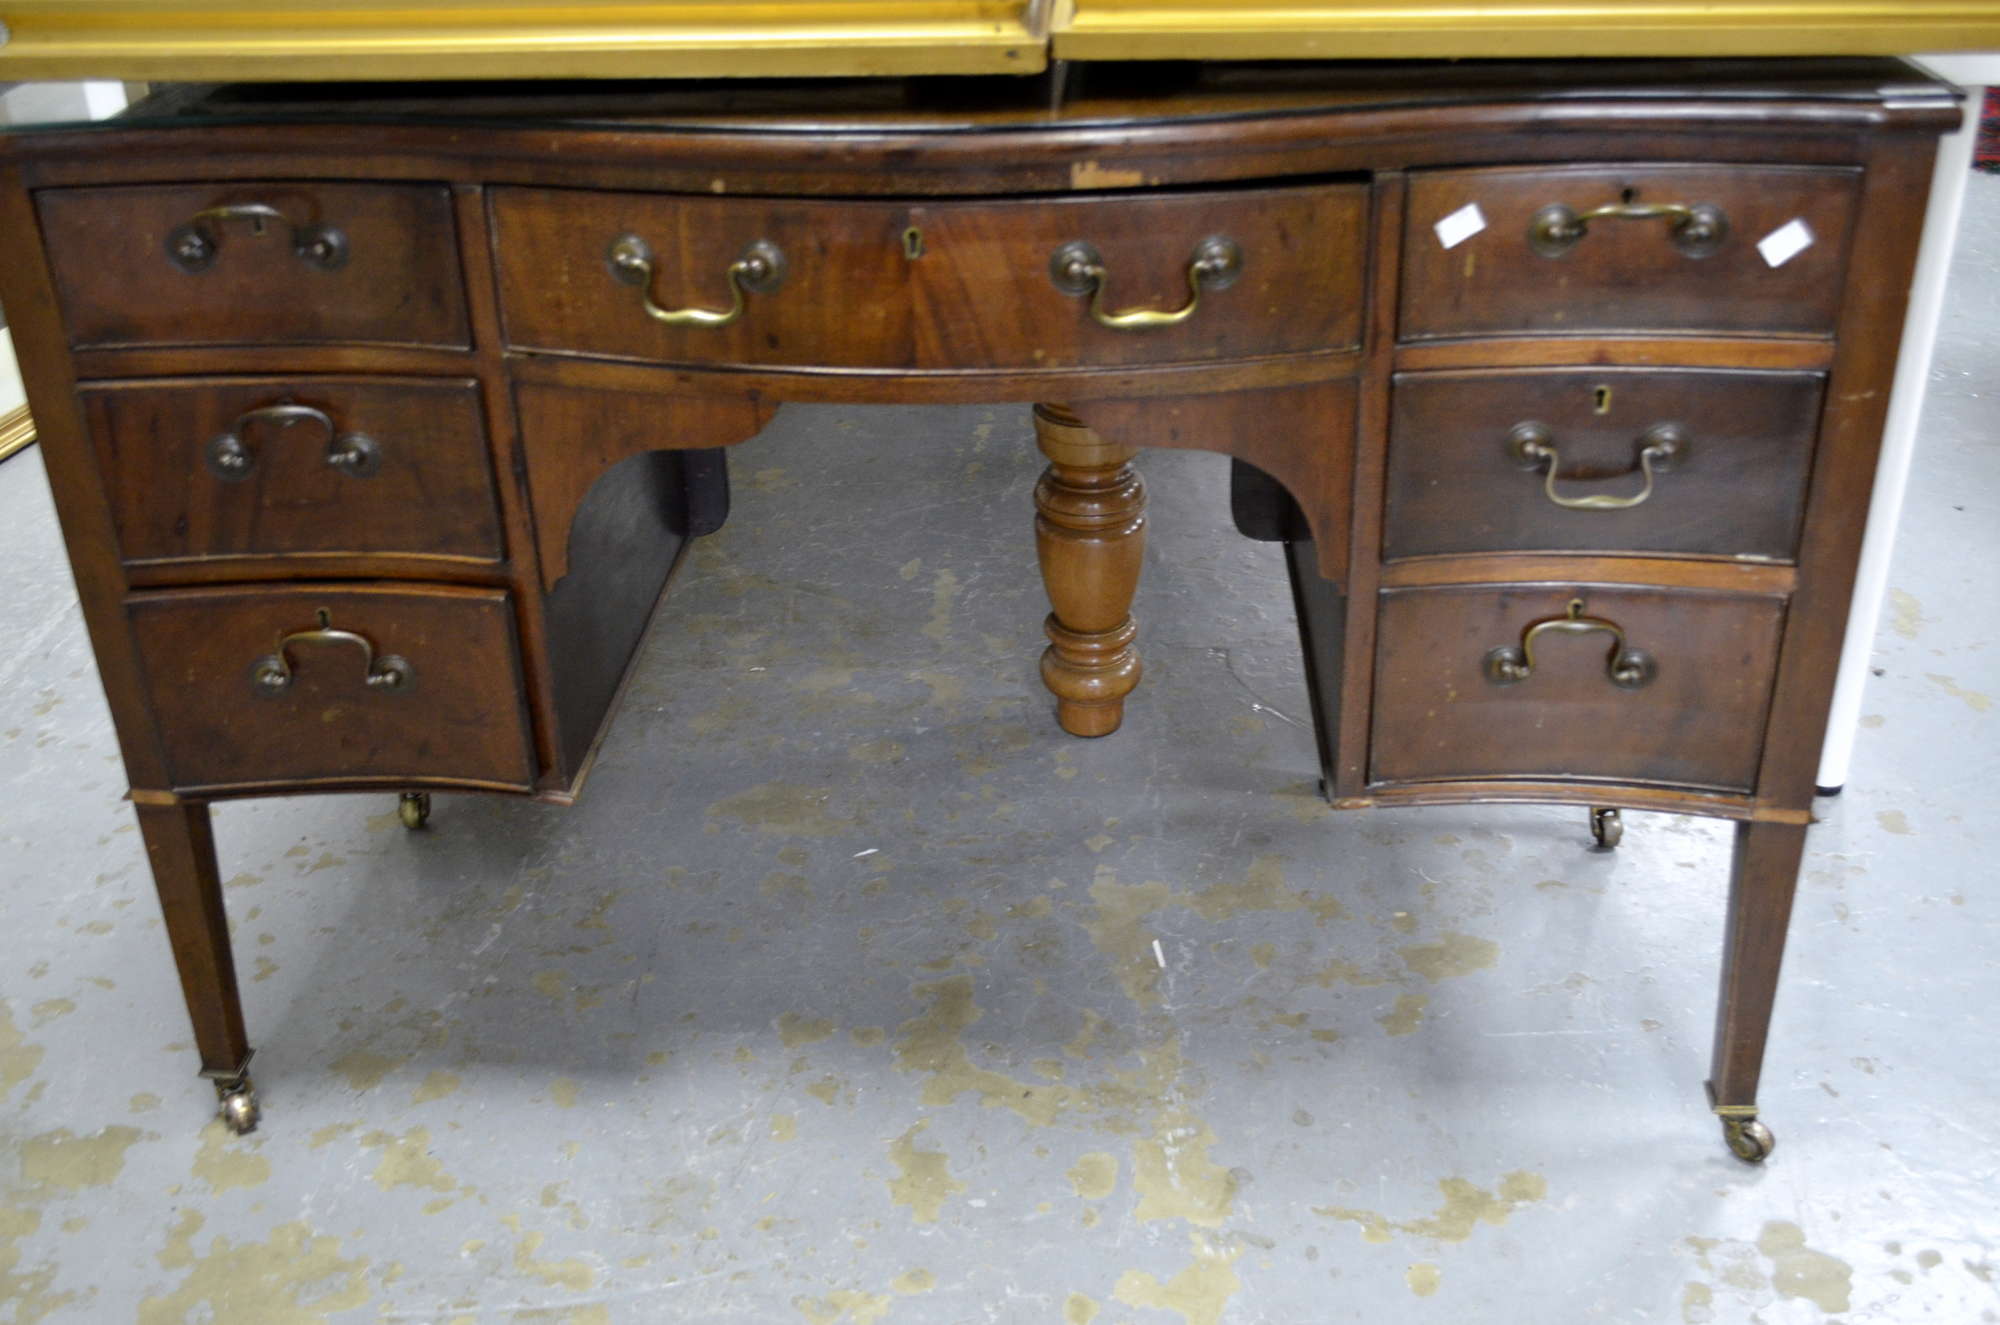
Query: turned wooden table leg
(181, 849)
(1090, 535)
(1763, 878)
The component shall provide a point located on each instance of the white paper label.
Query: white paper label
(1786, 242)
(1460, 226)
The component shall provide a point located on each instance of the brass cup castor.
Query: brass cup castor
(1607, 827)
(414, 808)
(238, 1105)
(1748, 1139)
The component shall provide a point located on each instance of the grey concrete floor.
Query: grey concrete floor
(854, 992)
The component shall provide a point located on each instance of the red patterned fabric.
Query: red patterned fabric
(1986, 156)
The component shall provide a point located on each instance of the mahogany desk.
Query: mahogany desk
(375, 416)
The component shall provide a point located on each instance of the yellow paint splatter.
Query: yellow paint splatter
(784, 1126)
(18, 1058)
(1465, 1207)
(1406, 1016)
(1974, 700)
(1798, 1271)
(1423, 1278)
(49, 1009)
(1079, 1310)
(1175, 1178)
(223, 1166)
(407, 1162)
(1452, 956)
(868, 1036)
(912, 1282)
(929, 1044)
(564, 1091)
(26, 1290)
(70, 1162)
(923, 1182)
(796, 1030)
(436, 1086)
(782, 808)
(1893, 821)
(1199, 1294)
(1906, 613)
(844, 1304)
(364, 1070)
(295, 1278)
(1094, 1176)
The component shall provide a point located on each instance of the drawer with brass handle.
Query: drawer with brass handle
(1079, 281)
(1639, 248)
(333, 684)
(198, 468)
(1573, 681)
(278, 262)
(1675, 461)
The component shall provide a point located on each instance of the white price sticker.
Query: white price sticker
(1461, 225)
(1786, 242)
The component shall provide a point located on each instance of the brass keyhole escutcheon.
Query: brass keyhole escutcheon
(1600, 400)
(913, 243)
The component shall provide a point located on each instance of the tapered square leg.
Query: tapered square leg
(1090, 536)
(180, 847)
(1763, 880)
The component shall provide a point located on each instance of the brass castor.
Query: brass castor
(238, 1105)
(414, 808)
(1749, 1140)
(1607, 826)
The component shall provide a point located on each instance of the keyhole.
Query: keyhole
(1628, 196)
(913, 243)
(1601, 400)
(325, 618)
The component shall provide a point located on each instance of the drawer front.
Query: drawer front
(307, 684)
(265, 466)
(291, 262)
(1530, 270)
(1693, 715)
(934, 285)
(1267, 271)
(1687, 461)
(830, 293)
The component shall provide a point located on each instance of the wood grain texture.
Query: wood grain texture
(458, 717)
(1090, 539)
(1763, 878)
(1301, 436)
(1734, 488)
(570, 436)
(180, 848)
(397, 286)
(1698, 723)
(1626, 275)
(432, 494)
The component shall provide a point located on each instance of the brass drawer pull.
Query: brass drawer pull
(194, 243)
(1078, 268)
(231, 459)
(1697, 230)
(1628, 669)
(760, 270)
(272, 673)
(1533, 446)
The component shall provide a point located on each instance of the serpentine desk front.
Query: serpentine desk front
(1564, 385)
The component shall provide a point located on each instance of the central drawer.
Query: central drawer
(334, 683)
(1068, 281)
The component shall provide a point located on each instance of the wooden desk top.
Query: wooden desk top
(316, 40)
